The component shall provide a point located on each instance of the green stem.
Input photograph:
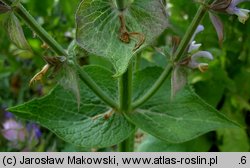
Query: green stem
(127, 145)
(95, 88)
(121, 4)
(137, 62)
(58, 49)
(178, 54)
(125, 96)
(125, 90)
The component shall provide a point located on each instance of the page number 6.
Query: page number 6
(243, 160)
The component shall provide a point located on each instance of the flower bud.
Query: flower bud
(230, 7)
(194, 63)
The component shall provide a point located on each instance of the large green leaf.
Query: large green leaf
(88, 126)
(178, 120)
(152, 144)
(98, 28)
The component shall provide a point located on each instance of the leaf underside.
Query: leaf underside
(93, 125)
(98, 28)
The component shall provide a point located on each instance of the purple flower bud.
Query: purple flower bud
(193, 50)
(241, 13)
(193, 46)
(13, 131)
(194, 63)
(199, 29)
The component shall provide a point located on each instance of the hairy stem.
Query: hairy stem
(125, 90)
(137, 62)
(178, 54)
(58, 49)
(127, 145)
(125, 96)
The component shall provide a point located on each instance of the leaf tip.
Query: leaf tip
(13, 109)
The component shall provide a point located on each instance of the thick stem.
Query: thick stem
(178, 54)
(127, 145)
(125, 96)
(121, 4)
(58, 49)
(125, 90)
(137, 62)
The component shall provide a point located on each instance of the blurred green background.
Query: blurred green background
(226, 85)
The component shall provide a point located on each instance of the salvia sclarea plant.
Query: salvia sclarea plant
(97, 107)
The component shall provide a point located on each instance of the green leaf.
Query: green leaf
(233, 140)
(93, 125)
(152, 144)
(15, 32)
(178, 120)
(211, 87)
(98, 28)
